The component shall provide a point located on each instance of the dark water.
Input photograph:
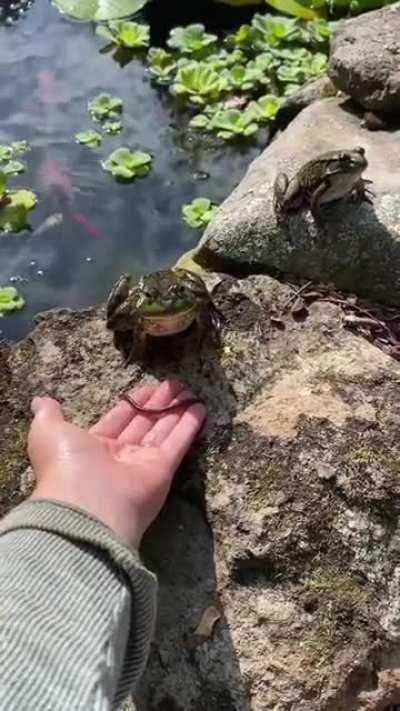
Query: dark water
(141, 222)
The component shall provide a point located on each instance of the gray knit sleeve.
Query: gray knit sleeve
(77, 611)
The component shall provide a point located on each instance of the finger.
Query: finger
(143, 422)
(184, 433)
(46, 408)
(119, 417)
(164, 425)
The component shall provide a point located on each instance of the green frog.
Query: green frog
(331, 176)
(160, 304)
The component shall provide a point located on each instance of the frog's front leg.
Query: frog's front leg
(138, 343)
(279, 192)
(362, 192)
(316, 197)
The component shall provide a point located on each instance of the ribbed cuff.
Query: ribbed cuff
(80, 527)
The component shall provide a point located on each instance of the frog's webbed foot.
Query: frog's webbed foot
(362, 192)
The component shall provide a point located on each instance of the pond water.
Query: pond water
(50, 67)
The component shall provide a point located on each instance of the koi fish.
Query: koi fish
(48, 224)
(50, 90)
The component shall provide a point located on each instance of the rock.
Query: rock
(354, 245)
(313, 90)
(303, 566)
(365, 59)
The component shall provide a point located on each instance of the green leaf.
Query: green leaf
(200, 121)
(20, 146)
(301, 9)
(105, 106)
(233, 123)
(89, 138)
(131, 35)
(272, 30)
(13, 167)
(99, 10)
(112, 127)
(265, 108)
(199, 212)
(190, 39)
(125, 164)
(198, 81)
(10, 300)
(162, 64)
(14, 215)
(3, 184)
(243, 37)
(6, 153)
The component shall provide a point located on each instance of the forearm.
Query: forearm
(77, 611)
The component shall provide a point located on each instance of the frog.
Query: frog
(159, 304)
(331, 176)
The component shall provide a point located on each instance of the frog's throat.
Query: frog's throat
(169, 324)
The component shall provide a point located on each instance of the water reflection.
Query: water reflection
(50, 69)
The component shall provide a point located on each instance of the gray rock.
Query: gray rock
(365, 59)
(313, 90)
(304, 568)
(354, 245)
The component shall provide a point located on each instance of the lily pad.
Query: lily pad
(199, 212)
(14, 215)
(99, 10)
(10, 300)
(89, 138)
(127, 165)
(105, 106)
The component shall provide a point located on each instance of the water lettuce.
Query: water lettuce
(13, 167)
(105, 106)
(15, 212)
(162, 64)
(273, 30)
(89, 138)
(242, 38)
(191, 39)
(199, 212)
(131, 35)
(199, 83)
(265, 108)
(243, 78)
(10, 300)
(223, 59)
(112, 127)
(127, 165)
(233, 123)
(99, 10)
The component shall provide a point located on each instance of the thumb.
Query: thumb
(46, 409)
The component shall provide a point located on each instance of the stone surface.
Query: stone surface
(354, 245)
(313, 90)
(365, 59)
(285, 516)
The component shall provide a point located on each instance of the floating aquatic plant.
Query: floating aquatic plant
(162, 64)
(198, 82)
(127, 165)
(131, 35)
(14, 206)
(223, 59)
(272, 30)
(13, 167)
(233, 123)
(20, 147)
(105, 106)
(99, 10)
(242, 38)
(265, 108)
(199, 212)
(89, 138)
(10, 300)
(191, 39)
(243, 78)
(112, 127)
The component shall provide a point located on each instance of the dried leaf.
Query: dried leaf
(207, 623)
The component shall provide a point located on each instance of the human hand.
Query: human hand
(121, 469)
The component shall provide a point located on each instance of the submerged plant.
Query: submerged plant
(191, 39)
(265, 108)
(233, 123)
(10, 300)
(105, 106)
(198, 82)
(273, 30)
(131, 35)
(199, 212)
(89, 138)
(127, 165)
(162, 64)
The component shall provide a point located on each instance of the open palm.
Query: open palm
(121, 469)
